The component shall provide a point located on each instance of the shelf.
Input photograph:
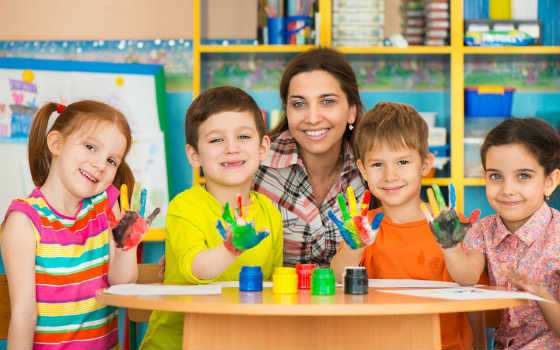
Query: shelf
(474, 181)
(154, 235)
(396, 50)
(505, 50)
(457, 53)
(254, 48)
(443, 181)
(349, 50)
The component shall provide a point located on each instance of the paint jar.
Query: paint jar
(322, 282)
(284, 280)
(355, 280)
(304, 272)
(250, 279)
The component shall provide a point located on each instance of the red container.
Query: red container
(304, 272)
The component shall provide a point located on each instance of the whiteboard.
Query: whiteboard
(137, 90)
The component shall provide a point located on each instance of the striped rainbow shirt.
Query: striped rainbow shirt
(71, 263)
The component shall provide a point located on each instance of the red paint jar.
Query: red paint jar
(304, 272)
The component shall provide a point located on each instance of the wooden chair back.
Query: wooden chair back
(4, 307)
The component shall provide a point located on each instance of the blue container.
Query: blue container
(488, 101)
(250, 279)
(439, 151)
(475, 9)
(548, 14)
(276, 27)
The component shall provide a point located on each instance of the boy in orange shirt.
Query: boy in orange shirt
(391, 148)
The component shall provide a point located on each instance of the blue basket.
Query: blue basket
(488, 101)
(439, 151)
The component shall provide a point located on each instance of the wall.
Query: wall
(125, 19)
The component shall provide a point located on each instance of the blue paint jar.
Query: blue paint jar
(250, 279)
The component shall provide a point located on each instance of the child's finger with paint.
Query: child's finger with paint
(124, 198)
(135, 200)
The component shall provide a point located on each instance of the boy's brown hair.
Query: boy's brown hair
(217, 100)
(395, 124)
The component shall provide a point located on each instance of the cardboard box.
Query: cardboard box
(126, 19)
(226, 19)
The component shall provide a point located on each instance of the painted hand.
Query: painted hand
(445, 224)
(131, 228)
(239, 233)
(354, 227)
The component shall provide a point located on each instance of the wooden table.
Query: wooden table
(265, 320)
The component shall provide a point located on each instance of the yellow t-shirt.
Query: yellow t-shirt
(191, 227)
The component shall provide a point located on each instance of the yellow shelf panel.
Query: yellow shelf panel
(254, 48)
(505, 50)
(444, 181)
(396, 50)
(474, 182)
(154, 235)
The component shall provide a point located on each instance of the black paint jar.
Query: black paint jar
(355, 280)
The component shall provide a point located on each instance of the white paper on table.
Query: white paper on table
(465, 293)
(163, 289)
(235, 284)
(409, 283)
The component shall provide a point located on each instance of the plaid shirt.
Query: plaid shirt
(309, 235)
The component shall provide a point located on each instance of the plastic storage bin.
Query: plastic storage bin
(473, 166)
(439, 151)
(488, 101)
(437, 136)
(430, 118)
(480, 126)
(441, 154)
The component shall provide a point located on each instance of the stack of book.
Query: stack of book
(358, 22)
(413, 21)
(437, 22)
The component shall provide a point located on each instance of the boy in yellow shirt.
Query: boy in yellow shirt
(225, 136)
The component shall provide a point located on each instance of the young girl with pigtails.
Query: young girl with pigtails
(57, 245)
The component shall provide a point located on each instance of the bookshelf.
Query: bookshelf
(456, 52)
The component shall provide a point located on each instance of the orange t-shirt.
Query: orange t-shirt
(411, 251)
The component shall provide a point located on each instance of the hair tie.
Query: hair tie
(60, 108)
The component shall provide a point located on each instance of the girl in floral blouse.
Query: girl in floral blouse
(520, 244)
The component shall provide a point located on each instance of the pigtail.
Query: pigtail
(38, 152)
(124, 176)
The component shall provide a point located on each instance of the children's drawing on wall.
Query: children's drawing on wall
(250, 72)
(174, 54)
(148, 166)
(394, 73)
(533, 73)
(17, 109)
